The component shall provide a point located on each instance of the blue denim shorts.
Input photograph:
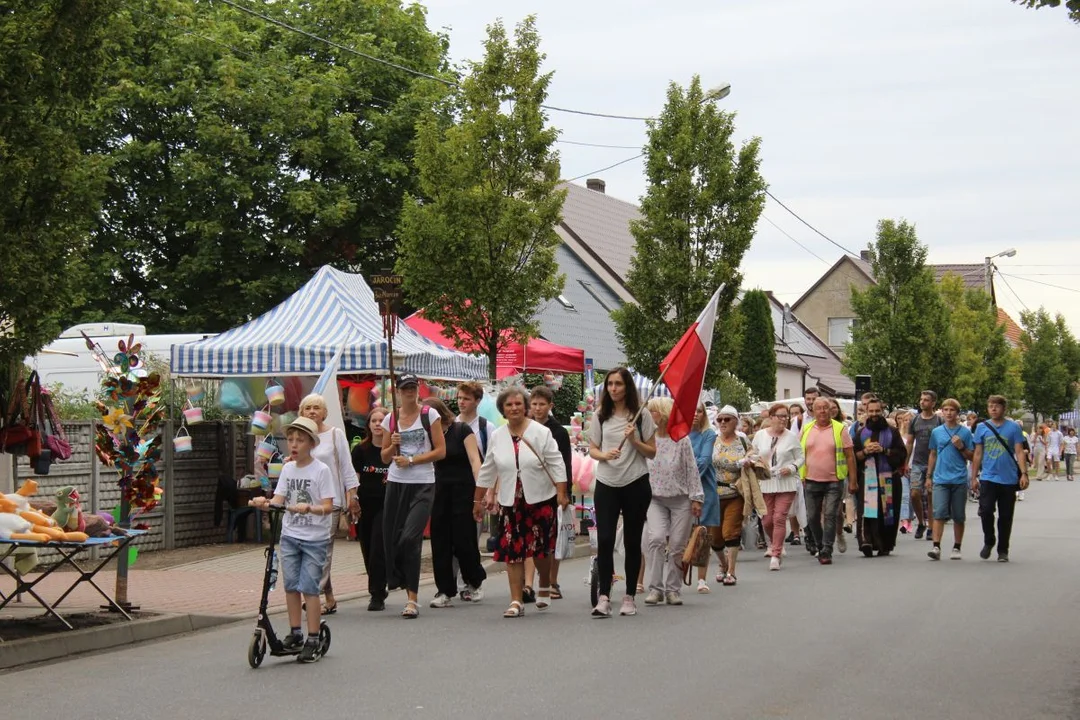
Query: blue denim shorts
(302, 564)
(950, 502)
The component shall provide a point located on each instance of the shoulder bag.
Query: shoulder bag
(1008, 448)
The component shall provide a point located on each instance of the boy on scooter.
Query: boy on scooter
(306, 488)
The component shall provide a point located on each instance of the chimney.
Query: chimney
(596, 184)
(865, 255)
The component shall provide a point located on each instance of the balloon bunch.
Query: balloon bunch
(128, 437)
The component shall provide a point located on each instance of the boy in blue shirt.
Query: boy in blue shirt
(998, 469)
(306, 488)
(951, 446)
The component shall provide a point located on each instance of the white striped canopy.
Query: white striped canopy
(333, 310)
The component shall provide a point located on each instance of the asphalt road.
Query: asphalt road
(898, 637)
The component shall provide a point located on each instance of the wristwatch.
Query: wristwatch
(410, 461)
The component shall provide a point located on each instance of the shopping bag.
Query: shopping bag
(696, 553)
(567, 533)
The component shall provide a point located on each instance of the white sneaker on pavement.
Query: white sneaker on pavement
(655, 597)
(629, 607)
(703, 587)
(774, 563)
(441, 601)
(603, 607)
(955, 554)
(471, 594)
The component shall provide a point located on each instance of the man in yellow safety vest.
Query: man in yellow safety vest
(830, 460)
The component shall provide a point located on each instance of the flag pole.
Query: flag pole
(641, 406)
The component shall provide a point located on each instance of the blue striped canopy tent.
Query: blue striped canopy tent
(644, 387)
(333, 311)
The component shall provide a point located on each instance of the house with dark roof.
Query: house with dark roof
(803, 359)
(826, 306)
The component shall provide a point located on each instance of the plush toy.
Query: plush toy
(22, 496)
(69, 514)
(40, 525)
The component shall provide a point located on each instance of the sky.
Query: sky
(952, 115)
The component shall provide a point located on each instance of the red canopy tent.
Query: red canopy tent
(538, 356)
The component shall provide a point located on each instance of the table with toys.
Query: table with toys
(24, 530)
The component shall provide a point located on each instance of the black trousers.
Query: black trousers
(405, 515)
(1002, 497)
(453, 536)
(369, 531)
(633, 501)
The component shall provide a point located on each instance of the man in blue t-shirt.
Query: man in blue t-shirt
(951, 446)
(997, 470)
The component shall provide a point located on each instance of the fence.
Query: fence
(185, 516)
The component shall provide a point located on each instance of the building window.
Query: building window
(787, 393)
(840, 331)
(566, 303)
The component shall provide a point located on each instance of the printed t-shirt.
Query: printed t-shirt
(921, 428)
(997, 465)
(414, 441)
(309, 484)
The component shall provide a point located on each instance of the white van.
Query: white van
(67, 360)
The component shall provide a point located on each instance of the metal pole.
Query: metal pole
(988, 277)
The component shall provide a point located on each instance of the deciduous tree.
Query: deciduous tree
(478, 248)
(698, 217)
(1051, 363)
(1072, 5)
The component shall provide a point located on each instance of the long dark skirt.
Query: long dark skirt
(879, 533)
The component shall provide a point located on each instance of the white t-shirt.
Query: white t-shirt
(342, 471)
(1055, 441)
(475, 425)
(309, 484)
(630, 465)
(414, 441)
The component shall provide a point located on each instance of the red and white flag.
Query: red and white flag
(684, 369)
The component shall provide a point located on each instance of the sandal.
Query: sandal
(329, 609)
(411, 611)
(543, 598)
(556, 591)
(640, 589)
(515, 610)
(730, 580)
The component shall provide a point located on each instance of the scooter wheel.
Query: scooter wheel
(256, 650)
(324, 639)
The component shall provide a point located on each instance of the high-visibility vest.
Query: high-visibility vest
(841, 458)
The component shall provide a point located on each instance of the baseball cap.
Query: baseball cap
(407, 380)
(306, 425)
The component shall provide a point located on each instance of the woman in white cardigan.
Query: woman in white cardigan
(781, 450)
(522, 477)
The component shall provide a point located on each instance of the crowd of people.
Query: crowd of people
(801, 474)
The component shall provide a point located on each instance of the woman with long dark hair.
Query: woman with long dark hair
(367, 461)
(621, 441)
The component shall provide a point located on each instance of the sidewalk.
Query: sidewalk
(227, 585)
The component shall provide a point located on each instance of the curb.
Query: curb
(17, 653)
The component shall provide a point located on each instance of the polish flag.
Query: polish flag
(683, 369)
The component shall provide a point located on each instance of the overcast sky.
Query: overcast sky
(959, 116)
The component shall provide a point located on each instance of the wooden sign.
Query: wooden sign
(388, 291)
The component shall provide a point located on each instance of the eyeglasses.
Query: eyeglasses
(782, 417)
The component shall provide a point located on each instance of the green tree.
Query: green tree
(1049, 350)
(698, 217)
(756, 364)
(1072, 5)
(52, 54)
(478, 251)
(895, 317)
(733, 391)
(245, 156)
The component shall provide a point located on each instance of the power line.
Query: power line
(1039, 282)
(797, 217)
(609, 167)
(789, 237)
(446, 81)
(1027, 275)
(1002, 276)
(597, 145)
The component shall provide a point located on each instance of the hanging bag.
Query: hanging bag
(16, 432)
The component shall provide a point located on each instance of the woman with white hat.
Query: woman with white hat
(729, 456)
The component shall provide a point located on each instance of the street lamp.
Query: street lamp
(988, 270)
(717, 93)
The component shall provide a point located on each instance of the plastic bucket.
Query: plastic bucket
(266, 449)
(193, 415)
(261, 420)
(182, 441)
(275, 394)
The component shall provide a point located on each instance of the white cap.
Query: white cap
(729, 411)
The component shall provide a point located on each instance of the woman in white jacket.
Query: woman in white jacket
(522, 477)
(781, 450)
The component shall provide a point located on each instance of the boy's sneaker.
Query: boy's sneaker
(629, 607)
(292, 641)
(441, 601)
(310, 653)
(985, 552)
(935, 553)
(955, 554)
(603, 607)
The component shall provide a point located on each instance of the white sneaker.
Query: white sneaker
(673, 598)
(629, 607)
(441, 601)
(774, 563)
(603, 607)
(955, 554)
(655, 597)
(703, 587)
(471, 594)
(1020, 495)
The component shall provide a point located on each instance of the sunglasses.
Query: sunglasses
(726, 419)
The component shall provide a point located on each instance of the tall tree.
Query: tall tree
(478, 252)
(245, 156)
(756, 364)
(895, 317)
(698, 217)
(1051, 363)
(1072, 5)
(52, 54)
